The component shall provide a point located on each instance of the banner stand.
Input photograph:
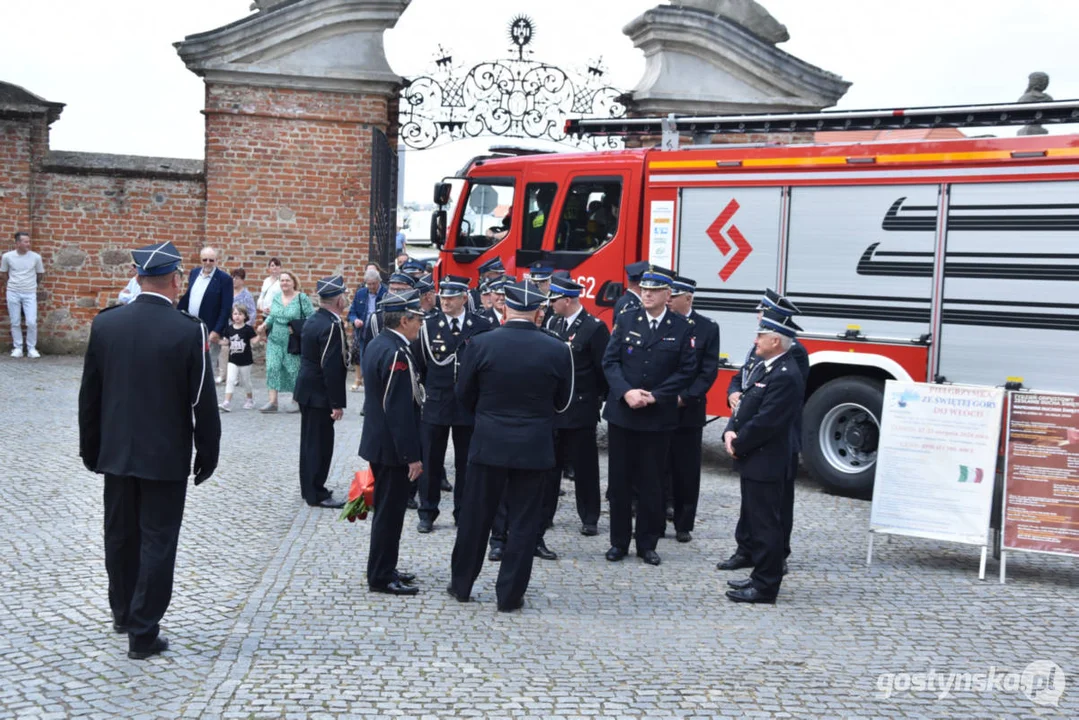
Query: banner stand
(981, 565)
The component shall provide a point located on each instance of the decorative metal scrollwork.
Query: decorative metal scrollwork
(516, 97)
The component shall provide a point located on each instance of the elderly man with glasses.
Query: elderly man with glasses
(209, 298)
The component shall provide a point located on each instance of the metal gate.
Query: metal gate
(383, 200)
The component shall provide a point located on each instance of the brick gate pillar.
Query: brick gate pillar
(294, 95)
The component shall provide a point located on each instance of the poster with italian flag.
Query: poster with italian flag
(937, 460)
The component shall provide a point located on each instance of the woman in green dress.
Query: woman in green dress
(281, 367)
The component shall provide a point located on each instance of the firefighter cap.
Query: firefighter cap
(453, 285)
(656, 278)
(564, 288)
(773, 321)
(683, 286)
(634, 271)
(524, 296)
(402, 279)
(776, 302)
(404, 301)
(413, 266)
(157, 259)
(540, 271)
(330, 287)
(425, 284)
(492, 265)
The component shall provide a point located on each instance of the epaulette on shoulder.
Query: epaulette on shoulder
(189, 316)
(110, 307)
(552, 333)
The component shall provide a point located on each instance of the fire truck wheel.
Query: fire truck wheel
(840, 433)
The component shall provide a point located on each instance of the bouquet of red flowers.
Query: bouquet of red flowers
(361, 496)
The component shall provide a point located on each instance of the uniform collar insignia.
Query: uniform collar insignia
(442, 323)
(640, 318)
(468, 322)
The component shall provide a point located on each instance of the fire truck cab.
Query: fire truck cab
(942, 261)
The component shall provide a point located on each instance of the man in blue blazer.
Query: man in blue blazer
(209, 298)
(364, 305)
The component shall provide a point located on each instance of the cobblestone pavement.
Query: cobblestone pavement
(271, 616)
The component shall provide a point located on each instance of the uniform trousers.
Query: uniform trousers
(761, 502)
(576, 448)
(637, 460)
(484, 490)
(434, 440)
(741, 530)
(316, 452)
(142, 525)
(685, 475)
(391, 501)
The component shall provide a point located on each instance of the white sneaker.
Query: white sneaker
(249, 405)
(34, 354)
(219, 380)
(17, 352)
(225, 407)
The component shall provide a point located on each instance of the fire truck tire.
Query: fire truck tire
(840, 432)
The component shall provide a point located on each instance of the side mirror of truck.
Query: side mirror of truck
(442, 193)
(609, 292)
(438, 228)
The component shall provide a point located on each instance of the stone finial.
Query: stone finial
(1036, 85)
(749, 14)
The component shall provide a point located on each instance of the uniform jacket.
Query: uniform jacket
(705, 345)
(323, 362)
(148, 393)
(514, 379)
(391, 420)
(662, 363)
(801, 359)
(439, 353)
(358, 309)
(216, 307)
(765, 419)
(587, 337)
(629, 302)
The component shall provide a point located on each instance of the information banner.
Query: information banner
(1041, 474)
(661, 234)
(936, 461)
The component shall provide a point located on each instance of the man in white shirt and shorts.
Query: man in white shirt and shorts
(23, 269)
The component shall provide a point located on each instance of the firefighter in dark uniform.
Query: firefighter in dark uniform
(320, 390)
(391, 435)
(540, 274)
(776, 303)
(496, 314)
(490, 270)
(648, 363)
(438, 349)
(758, 437)
(398, 283)
(428, 299)
(575, 442)
(685, 457)
(147, 393)
(515, 378)
(631, 298)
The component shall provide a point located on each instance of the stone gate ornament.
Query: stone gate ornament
(516, 97)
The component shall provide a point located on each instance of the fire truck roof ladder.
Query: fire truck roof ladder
(954, 116)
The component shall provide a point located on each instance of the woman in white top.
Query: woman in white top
(271, 286)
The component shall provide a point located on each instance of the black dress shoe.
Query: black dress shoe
(119, 629)
(425, 526)
(650, 556)
(406, 577)
(510, 607)
(561, 492)
(784, 567)
(395, 587)
(569, 474)
(735, 562)
(445, 485)
(669, 512)
(589, 530)
(616, 553)
(158, 646)
(330, 503)
(496, 554)
(455, 596)
(543, 553)
(750, 595)
(683, 536)
(412, 504)
(741, 584)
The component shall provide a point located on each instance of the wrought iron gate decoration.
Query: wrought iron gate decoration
(383, 199)
(515, 97)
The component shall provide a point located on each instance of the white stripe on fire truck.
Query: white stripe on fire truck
(735, 177)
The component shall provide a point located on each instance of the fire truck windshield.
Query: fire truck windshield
(487, 213)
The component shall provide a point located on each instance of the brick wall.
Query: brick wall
(287, 173)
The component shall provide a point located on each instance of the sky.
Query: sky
(127, 92)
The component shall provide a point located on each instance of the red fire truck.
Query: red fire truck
(944, 261)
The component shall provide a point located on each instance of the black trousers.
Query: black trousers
(485, 489)
(761, 502)
(636, 460)
(142, 525)
(435, 439)
(391, 501)
(685, 475)
(576, 448)
(316, 452)
(741, 531)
